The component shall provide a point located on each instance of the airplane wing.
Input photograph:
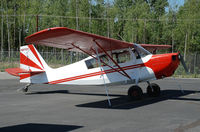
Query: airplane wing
(79, 41)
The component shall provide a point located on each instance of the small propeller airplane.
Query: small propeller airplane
(110, 61)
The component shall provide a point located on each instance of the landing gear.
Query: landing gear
(153, 90)
(25, 89)
(135, 92)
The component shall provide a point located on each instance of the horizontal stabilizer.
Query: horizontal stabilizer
(18, 71)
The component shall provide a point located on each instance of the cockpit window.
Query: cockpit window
(93, 63)
(105, 59)
(141, 51)
(121, 57)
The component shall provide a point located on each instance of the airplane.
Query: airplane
(110, 62)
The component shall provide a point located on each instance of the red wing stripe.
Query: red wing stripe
(36, 55)
(95, 74)
(26, 61)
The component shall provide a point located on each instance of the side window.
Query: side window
(91, 63)
(122, 57)
(136, 54)
(105, 59)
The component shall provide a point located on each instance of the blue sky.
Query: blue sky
(173, 3)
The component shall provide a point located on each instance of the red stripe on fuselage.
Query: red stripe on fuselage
(95, 74)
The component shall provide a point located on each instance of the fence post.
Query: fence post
(62, 56)
(70, 57)
(195, 59)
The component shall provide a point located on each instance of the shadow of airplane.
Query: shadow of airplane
(34, 127)
(123, 102)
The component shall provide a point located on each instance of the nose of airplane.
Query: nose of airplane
(164, 65)
(175, 61)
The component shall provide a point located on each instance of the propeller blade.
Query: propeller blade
(183, 63)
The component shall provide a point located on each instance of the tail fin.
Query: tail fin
(31, 64)
(31, 60)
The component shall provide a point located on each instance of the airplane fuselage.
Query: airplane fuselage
(150, 67)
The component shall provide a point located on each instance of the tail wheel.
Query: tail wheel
(153, 90)
(25, 89)
(135, 92)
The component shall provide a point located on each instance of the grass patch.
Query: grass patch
(5, 65)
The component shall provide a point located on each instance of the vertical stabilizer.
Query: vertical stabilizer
(31, 60)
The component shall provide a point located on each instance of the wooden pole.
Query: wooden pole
(37, 23)
(1, 29)
(77, 15)
(144, 32)
(8, 29)
(185, 49)
(108, 20)
(90, 14)
(172, 42)
(14, 24)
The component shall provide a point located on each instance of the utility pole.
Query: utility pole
(108, 20)
(185, 50)
(77, 27)
(90, 14)
(144, 32)
(1, 29)
(14, 22)
(37, 23)
(172, 42)
(8, 29)
(25, 17)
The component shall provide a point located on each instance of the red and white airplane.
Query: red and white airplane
(110, 61)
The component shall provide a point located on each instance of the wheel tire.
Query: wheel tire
(153, 90)
(135, 92)
(25, 89)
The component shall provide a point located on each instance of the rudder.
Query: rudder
(31, 60)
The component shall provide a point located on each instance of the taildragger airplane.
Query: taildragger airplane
(110, 61)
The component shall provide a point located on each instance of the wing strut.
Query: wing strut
(97, 59)
(109, 103)
(111, 59)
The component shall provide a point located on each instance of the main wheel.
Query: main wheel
(25, 89)
(153, 90)
(135, 92)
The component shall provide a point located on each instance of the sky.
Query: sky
(173, 3)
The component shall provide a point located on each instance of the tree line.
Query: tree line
(138, 21)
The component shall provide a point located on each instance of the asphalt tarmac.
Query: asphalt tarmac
(63, 108)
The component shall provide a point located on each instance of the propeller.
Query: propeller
(183, 62)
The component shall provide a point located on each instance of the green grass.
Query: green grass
(5, 65)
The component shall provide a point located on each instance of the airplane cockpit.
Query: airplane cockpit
(122, 56)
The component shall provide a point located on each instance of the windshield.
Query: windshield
(140, 50)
